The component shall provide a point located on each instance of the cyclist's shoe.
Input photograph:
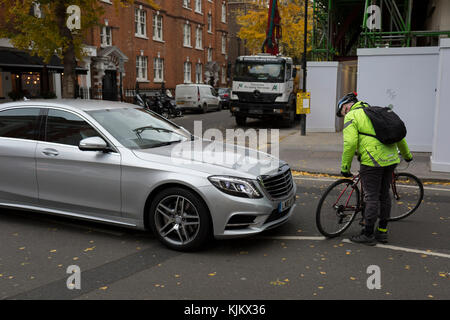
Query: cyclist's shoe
(381, 235)
(364, 239)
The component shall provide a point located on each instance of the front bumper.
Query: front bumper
(260, 110)
(235, 217)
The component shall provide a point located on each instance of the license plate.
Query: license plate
(180, 102)
(255, 111)
(283, 205)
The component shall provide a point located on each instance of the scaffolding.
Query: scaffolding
(341, 26)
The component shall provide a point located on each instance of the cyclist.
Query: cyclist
(377, 163)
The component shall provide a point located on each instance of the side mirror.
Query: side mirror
(294, 72)
(93, 144)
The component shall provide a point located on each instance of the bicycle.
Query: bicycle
(343, 200)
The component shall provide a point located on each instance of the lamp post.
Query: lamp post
(305, 42)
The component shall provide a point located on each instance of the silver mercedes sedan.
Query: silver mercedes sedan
(118, 163)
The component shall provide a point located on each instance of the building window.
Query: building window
(224, 12)
(198, 73)
(187, 4)
(140, 20)
(187, 72)
(187, 35)
(224, 44)
(210, 54)
(158, 68)
(209, 22)
(198, 6)
(199, 38)
(157, 27)
(224, 75)
(141, 68)
(105, 36)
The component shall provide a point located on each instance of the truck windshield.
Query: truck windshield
(259, 72)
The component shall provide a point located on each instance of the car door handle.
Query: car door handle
(50, 152)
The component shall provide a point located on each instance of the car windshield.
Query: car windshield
(137, 128)
(223, 90)
(259, 71)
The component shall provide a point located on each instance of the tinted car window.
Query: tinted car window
(66, 128)
(19, 123)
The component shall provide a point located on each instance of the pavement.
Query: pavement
(320, 153)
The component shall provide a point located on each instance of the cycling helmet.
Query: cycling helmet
(349, 97)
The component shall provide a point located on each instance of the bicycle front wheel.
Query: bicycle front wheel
(337, 208)
(406, 195)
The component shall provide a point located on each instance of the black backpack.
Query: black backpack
(389, 128)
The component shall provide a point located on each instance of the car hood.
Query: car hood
(215, 158)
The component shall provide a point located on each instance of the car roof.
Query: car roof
(74, 104)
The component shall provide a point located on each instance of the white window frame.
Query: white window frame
(105, 38)
(209, 57)
(187, 69)
(224, 12)
(198, 6)
(199, 38)
(140, 22)
(224, 44)
(141, 68)
(158, 27)
(224, 75)
(187, 35)
(158, 69)
(187, 4)
(209, 21)
(198, 73)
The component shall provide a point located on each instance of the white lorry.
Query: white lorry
(264, 87)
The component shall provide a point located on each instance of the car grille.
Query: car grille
(278, 185)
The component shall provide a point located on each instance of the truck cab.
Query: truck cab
(264, 87)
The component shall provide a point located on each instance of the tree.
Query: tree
(41, 27)
(254, 24)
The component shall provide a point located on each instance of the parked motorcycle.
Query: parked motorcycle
(162, 105)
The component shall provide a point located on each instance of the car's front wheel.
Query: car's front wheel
(180, 219)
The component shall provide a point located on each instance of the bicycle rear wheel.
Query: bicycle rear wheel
(406, 195)
(337, 208)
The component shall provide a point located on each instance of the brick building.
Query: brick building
(185, 41)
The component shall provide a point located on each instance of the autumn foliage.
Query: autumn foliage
(254, 23)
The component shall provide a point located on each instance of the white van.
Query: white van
(201, 97)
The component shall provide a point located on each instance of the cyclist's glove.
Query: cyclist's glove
(346, 174)
(408, 160)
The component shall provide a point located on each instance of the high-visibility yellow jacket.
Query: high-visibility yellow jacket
(370, 150)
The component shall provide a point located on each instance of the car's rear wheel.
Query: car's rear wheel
(180, 219)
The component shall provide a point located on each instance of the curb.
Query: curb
(303, 172)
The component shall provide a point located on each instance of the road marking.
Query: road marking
(292, 238)
(424, 252)
(383, 246)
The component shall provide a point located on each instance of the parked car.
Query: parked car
(121, 164)
(199, 97)
(225, 95)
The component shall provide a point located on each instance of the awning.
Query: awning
(14, 60)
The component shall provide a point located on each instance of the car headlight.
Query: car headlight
(235, 186)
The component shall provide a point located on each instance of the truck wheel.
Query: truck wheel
(290, 122)
(241, 120)
(205, 108)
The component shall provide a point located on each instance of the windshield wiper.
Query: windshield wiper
(166, 143)
(142, 129)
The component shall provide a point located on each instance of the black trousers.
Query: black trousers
(376, 184)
